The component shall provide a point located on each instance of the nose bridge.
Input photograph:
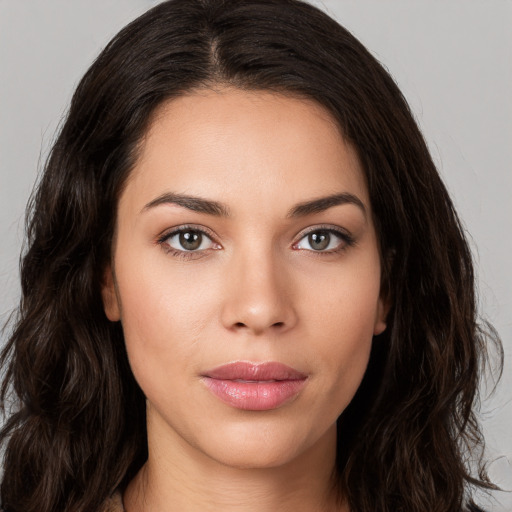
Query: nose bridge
(259, 296)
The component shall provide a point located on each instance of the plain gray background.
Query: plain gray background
(451, 58)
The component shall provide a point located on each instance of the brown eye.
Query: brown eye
(325, 241)
(319, 240)
(190, 240)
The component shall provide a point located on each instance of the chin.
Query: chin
(256, 456)
(260, 446)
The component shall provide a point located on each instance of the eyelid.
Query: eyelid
(338, 231)
(182, 253)
(186, 227)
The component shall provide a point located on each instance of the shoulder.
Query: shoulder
(112, 504)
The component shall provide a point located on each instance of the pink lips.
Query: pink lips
(254, 387)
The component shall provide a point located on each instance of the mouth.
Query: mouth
(254, 386)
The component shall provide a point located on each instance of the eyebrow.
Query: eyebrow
(196, 204)
(324, 203)
(210, 207)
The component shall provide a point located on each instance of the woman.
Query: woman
(245, 286)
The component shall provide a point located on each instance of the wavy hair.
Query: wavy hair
(75, 428)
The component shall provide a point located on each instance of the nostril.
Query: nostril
(242, 324)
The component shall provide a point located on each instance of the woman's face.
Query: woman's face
(245, 236)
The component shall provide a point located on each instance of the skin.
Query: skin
(258, 291)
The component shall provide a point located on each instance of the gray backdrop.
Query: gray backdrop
(452, 59)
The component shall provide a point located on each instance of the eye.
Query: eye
(324, 240)
(188, 240)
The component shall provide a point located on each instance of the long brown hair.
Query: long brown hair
(76, 425)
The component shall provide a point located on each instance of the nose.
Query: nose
(259, 296)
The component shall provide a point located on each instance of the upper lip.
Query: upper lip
(247, 371)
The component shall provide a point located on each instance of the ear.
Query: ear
(109, 296)
(385, 301)
(383, 307)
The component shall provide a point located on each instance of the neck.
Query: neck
(178, 477)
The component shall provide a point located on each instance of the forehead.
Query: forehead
(230, 144)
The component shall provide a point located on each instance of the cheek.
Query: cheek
(341, 318)
(164, 317)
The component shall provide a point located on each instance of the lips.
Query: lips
(253, 386)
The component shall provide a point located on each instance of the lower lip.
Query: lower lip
(255, 396)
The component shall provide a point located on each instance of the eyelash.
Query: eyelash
(347, 241)
(184, 255)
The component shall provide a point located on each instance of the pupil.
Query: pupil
(190, 240)
(319, 240)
